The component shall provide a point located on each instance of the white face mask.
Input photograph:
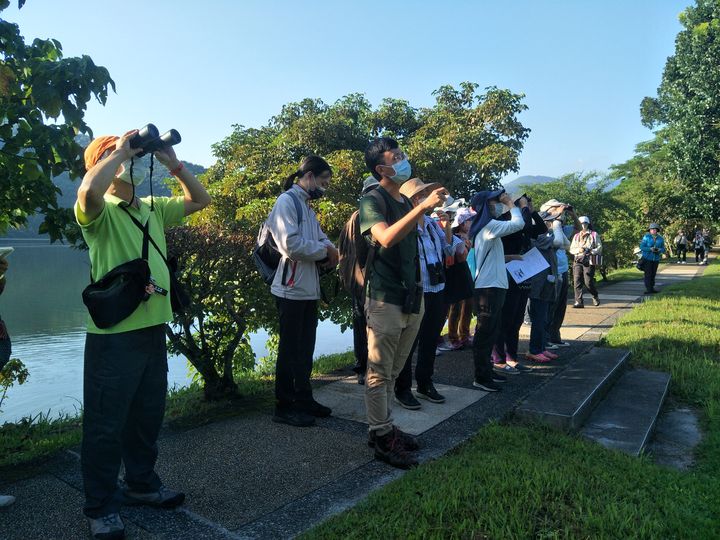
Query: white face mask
(498, 210)
(125, 174)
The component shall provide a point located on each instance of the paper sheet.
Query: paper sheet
(532, 264)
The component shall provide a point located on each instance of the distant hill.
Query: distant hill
(528, 180)
(68, 188)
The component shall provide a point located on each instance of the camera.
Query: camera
(436, 273)
(149, 139)
(413, 299)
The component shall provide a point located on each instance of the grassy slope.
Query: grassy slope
(514, 481)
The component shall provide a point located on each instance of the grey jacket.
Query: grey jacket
(542, 288)
(297, 277)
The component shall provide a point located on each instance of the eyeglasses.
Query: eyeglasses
(398, 156)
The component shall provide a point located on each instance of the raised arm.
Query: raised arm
(389, 235)
(196, 196)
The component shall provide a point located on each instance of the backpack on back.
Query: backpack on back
(355, 250)
(266, 255)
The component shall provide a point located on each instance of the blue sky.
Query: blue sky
(202, 66)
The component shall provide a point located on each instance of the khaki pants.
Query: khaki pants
(391, 335)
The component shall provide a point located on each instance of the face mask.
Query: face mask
(403, 170)
(498, 210)
(317, 191)
(585, 226)
(125, 175)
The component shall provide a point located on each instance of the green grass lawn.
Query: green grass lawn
(515, 481)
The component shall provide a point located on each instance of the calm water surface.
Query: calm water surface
(46, 319)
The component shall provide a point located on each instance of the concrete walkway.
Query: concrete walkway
(247, 477)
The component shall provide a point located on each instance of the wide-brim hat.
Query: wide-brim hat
(584, 219)
(414, 186)
(654, 226)
(549, 205)
(461, 216)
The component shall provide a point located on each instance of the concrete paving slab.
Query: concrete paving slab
(347, 400)
(567, 400)
(49, 508)
(624, 420)
(236, 470)
(677, 433)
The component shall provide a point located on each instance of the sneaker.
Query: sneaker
(467, 342)
(107, 527)
(596, 301)
(519, 367)
(439, 352)
(488, 386)
(447, 346)
(407, 400)
(313, 408)
(558, 344)
(6, 500)
(497, 378)
(541, 358)
(162, 498)
(293, 417)
(506, 369)
(551, 346)
(391, 449)
(409, 442)
(430, 393)
(550, 355)
(578, 305)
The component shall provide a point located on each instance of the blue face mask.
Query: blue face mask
(403, 170)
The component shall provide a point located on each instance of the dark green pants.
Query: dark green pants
(125, 383)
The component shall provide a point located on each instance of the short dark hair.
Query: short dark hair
(375, 151)
(314, 164)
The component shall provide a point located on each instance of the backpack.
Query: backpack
(356, 252)
(265, 253)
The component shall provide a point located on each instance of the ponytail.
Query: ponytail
(314, 164)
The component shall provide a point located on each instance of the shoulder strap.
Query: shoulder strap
(298, 205)
(146, 236)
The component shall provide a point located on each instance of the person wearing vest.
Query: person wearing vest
(125, 375)
(296, 289)
(586, 247)
(652, 247)
(434, 250)
(394, 296)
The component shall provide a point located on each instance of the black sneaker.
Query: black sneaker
(293, 417)
(430, 393)
(596, 301)
(390, 449)
(162, 498)
(409, 442)
(497, 378)
(488, 386)
(578, 305)
(313, 408)
(407, 399)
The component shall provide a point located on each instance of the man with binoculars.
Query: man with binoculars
(125, 376)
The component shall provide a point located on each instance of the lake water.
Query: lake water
(45, 316)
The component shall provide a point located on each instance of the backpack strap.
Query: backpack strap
(298, 206)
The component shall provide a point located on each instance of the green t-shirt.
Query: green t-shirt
(394, 269)
(114, 239)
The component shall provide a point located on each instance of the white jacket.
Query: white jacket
(488, 243)
(297, 276)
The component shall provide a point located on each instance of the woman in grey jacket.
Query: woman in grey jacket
(296, 287)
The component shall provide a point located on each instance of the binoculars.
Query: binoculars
(149, 139)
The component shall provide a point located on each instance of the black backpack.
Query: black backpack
(265, 253)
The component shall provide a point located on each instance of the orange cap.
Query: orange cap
(97, 148)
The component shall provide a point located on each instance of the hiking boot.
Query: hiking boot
(429, 393)
(107, 527)
(409, 442)
(578, 305)
(313, 408)
(390, 449)
(162, 498)
(540, 357)
(407, 400)
(488, 386)
(596, 301)
(6, 500)
(294, 418)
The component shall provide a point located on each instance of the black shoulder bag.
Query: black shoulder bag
(116, 295)
(179, 299)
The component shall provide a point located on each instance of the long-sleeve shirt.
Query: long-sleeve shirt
(589, 240)
(301, 245)
(490, 254)
(648, 242)
(561, 243)
(432, 249)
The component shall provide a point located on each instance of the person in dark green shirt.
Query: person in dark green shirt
(393, 306)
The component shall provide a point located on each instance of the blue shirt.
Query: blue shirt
(648, 243)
